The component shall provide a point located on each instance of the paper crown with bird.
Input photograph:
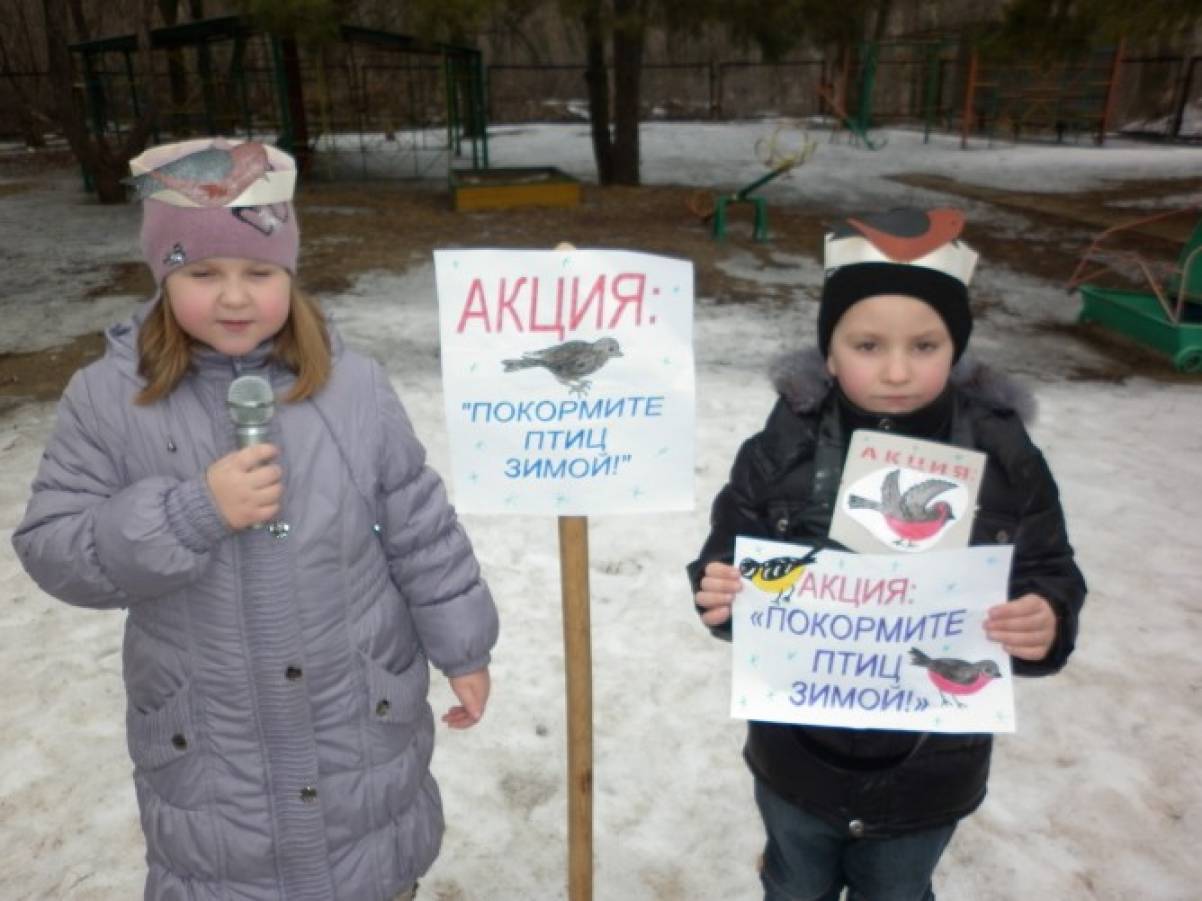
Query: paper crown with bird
(214, 197)
(909, 237)
(902, 252)
(223, 172)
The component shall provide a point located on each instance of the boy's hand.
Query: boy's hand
(246, 485)
(472, 691)
(719, 584)
(1026, 626)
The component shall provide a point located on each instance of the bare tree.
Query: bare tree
(20, 66)
(177, 71)
(620, 25)
(596, 76)
(630, 28)
(103, 160)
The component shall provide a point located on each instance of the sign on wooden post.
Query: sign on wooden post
(568, 384)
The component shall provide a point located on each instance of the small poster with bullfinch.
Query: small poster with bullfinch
(900, 495)
(870, 641)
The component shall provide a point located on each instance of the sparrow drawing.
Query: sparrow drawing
(956, 677)
(911, 516)
(780, 574)
(210, 178)
(569, 362)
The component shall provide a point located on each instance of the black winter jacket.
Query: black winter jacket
(782, 487)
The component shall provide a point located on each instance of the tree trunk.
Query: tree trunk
(629, 27)
(597, 78)
(299, 148)
(30, 119)
(882, 20)
(106, 177)
(177, 74)
(100, 161)
(67, 111)
(31, 129)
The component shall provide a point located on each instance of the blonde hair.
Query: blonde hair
(302, 346)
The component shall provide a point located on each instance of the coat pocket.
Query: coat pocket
(396, 697)
(165, 747)
(994, 528)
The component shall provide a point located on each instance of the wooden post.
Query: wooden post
(970, 89)
(578, 668)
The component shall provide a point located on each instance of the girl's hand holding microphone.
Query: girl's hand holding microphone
(719, 585)
(247, 486)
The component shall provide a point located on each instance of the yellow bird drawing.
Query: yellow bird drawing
(780, 574)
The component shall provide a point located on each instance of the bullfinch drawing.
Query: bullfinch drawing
(956, 677)
(911, 516)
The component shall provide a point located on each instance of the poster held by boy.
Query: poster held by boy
(872, 641)
(899, 494)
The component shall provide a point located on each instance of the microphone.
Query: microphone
(251, 404)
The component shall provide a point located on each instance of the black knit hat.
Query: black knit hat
(909, 252)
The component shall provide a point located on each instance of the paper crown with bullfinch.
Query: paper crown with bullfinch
(909, 252)
(214, 197)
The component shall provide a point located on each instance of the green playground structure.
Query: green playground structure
(715, 211)
(1166, 318)
(364, 104)
(743, 195)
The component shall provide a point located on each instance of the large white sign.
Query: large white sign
(883, 641)
(568, 378)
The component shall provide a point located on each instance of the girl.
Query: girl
(873, 810)
(283, 599)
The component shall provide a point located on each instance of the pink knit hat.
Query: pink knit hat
(216, 198)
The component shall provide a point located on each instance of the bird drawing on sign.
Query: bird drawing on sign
(956, 677)
(780, 574)
(209, 178)
(569, 362)
(910, 516)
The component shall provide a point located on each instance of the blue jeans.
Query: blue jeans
(808, 859)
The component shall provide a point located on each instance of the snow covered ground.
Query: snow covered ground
(1095, 797)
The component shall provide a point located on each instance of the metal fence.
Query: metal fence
(370, 104)
(400, 107)
(1161, 97)
(718, 91)
(906, 88)
(19, 92)
(367, 111)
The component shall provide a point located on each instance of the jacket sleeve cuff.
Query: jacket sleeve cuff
(470, 667)
(192, 516)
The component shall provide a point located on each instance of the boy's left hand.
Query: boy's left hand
(472, 691)
(1026, 626)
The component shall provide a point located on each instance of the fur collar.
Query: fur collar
(800, 377)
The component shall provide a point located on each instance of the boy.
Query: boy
(873, 810)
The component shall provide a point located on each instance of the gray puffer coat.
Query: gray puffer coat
(276, 679)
